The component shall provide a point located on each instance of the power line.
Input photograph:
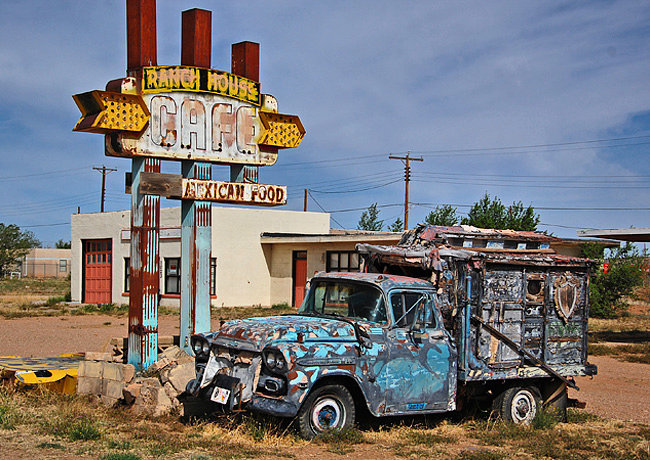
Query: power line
(356, 190)
(554, 186)
(48, 173)
(45, 225)
(534, 146)
(485, 150)
(567, 226)
(365, 207)
(323, 209)
(539, 179)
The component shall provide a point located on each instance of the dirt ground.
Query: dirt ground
(619, 391)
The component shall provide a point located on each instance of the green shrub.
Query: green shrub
(280, 306)
(607, 290)
(545, 419)
(7, 418)
(83, 430)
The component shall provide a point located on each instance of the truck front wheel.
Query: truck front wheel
(329, 407)
(518, 404)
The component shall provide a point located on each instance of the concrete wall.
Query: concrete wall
(282, 264)
(46, 263)
(243, 264)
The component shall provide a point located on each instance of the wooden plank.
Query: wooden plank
(167, 185)
(505, 339)
(128, 180)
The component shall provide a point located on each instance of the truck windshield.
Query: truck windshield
(344, 298)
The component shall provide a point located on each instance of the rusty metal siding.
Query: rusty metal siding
(144, 267)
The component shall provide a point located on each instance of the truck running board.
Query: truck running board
(505, 339)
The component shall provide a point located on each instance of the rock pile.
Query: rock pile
(153, 393)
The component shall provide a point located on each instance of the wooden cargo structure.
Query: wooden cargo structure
(526, 315)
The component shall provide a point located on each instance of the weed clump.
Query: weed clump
(340, 442)
(66, 424)
(6, 417)
(120, 456)
(545, 419)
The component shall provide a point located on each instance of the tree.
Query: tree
(370, 219)
(491, 213)
(520, 218)
(14, 245)
(444, 215)
(607, 290)
(397, 226)
(62, 244)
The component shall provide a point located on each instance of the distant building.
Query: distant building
(46, 263)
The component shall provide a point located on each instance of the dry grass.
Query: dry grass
(623, 324)
(33, 297)
(40, 424)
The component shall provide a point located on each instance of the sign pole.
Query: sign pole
(145, 209)
(196, 216)
(245, 61)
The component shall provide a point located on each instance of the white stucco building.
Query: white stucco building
(259, 256)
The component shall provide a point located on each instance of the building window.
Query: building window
(342, 261)
(213, 276)
(127, 273)
(63, 265)
(173, 275)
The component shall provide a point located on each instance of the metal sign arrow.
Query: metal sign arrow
(105, 112)
(279, 130)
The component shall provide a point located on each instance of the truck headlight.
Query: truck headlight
(200, 346)
(274, 360)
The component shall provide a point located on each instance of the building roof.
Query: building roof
(353, 236)
(621, 234)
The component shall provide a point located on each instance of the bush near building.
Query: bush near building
(625, 272)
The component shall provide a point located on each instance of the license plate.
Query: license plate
(220, 395)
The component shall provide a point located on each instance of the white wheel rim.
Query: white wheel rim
(327, 414)
(523, 407)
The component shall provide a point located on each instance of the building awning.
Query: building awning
(339, 237)
(621, 234)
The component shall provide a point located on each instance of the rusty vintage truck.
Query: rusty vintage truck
(501, 326)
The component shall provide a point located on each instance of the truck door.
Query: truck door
(422, 360)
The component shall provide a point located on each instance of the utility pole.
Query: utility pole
(304, 204)
(104, 170)
(407, 178)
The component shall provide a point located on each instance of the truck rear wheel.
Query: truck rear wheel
(329, 407)
(519, 405)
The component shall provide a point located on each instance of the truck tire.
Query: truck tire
(519, 405)
(329, 407)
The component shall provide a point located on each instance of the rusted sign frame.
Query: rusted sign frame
(145, 209)
(196, 216)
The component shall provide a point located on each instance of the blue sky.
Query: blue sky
(543, 102)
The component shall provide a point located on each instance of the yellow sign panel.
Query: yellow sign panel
(161, 79)
(283, 131)
(234, 192)
(104, 111)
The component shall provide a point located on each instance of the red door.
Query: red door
(97, 271)
(299, 276)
